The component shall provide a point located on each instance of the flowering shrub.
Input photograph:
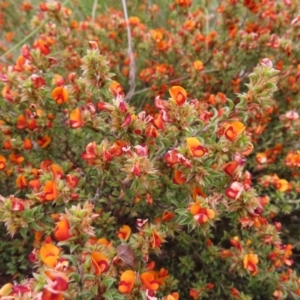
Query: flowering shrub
(142, 160)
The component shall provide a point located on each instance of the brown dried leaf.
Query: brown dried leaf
(127, 255)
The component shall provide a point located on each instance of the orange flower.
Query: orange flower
(60, 95)
(61, 231)
(157, 35)
(44, 141)
(75, 118)
(57, 283)
(124, 232)
(104, 241)
(149, 281)
(151, 132)
(230, 168)
(127, 282)
(21, 122)
(178, 177)
(2, 162)
(248, 150)
(236, 243)
(7, 144)
(134, 20)
(38, 235)
(190, 25)
(282, 185)
(151, 265)
(16, 158)
(234, 130)
(27, 144)
(72, 181)
(194, 294)
(20, 64)
(116, 89)
(173, 296)
(50, 190)
(161, 276)
(60, 279)
(116, 148)
(21, 182)
(198, 65)
(156, 240)
(34, 184)
(57, 171)
(197, 191)
(287, 253)
(202, 215)
(278, 294)
(178, 94)
(6, 289)
(8, 94)
(250, 262)
(40, 44)
(195, 147)
(159, 122)
(58, 80)
(167, 215)
(49, 255)
(100, 262)
(184, 3)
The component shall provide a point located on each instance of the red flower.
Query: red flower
(100, 262)
(127, 282)
(57, 284)
(60, 95)
(2, 162)
(234, 191)
(49, 254)
(195, 147)
(50, 191)
(157, 240)
(201, 214)
(250, 262)
(124, 232)
(230, 168)
(76, 118)
(178, 94)
(149, 281)
(178, 177)
(42, 46)
(44, 141)
(234, 130)
(116, 89)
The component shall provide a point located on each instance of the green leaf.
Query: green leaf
(88, 277)
(108, 282)
(23, 232)
(107, 295)
(75, 276)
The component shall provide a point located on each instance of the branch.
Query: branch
(94, 10)
(131, 56)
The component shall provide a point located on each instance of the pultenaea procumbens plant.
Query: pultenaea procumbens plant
(96, 173)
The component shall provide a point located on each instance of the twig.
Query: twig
(294, 201)
(97, 195)
(94, 10)
(131, 56)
